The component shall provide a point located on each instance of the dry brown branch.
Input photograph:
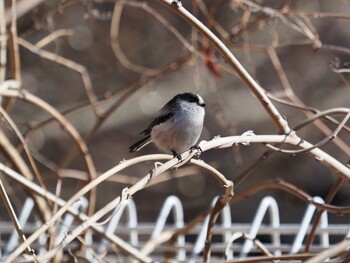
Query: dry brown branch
(327, 139)
(292, 96)
(292, 189)
(53, 237)
(23, 95)
(15, 66)
(25, 146)
(258, 91)
(212, 23)
(270, 258)
(245, 27)
(152, 244)
(314, 117)
(292, 139)
(81, 216)
(250, 19)
(331, 252)
(186, 229)
(325, 114)
(318, 14)
(328, 200)
(53, 36)
(128, 192)
(295, 22)
(317, 114)
(239, 179)
(13, 55)
(115, 25)
(3, 43)
(295, 101)
(256, 241)
(221, 202)
(69, 64)
(17, 161)
(15, 221)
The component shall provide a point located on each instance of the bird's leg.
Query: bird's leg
(198, 149)
(178, 156)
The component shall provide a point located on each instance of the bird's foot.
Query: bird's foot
(176, 3)
(197, 149)
(178, 156)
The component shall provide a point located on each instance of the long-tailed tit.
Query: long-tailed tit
(177, 126)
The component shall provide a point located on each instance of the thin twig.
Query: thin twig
(289, 92)
(53, 36)
(270, 258)
(3, 43)
(14, 219)
(318, 216)
(331, 252)
(68, 127)
(257, 90)
(291, 189)
(256, 241)
(327, 139)
(115, 26)
(81, 216)
(128, 192)
(69, 64)
(14, 157)
(13, 55)
(26, 148)
(221, 202)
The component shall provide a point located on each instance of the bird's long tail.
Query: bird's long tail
(140, 144)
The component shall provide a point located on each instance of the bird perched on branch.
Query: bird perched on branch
(177, 126)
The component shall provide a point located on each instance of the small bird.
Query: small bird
(177, 126)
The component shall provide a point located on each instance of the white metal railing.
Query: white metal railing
(190, 251)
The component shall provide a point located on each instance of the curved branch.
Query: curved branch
(66, 63)
(224, 142)
(25, 147)
(9, 151)
(115, 26)
(258, 91)
(331, 252)
(69, 128)
(34, 188)
(327, 139)
(293, 190)
(3, 44)
(127, 192)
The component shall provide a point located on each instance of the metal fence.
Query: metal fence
(226, 242)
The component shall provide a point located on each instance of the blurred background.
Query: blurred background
(134, 56)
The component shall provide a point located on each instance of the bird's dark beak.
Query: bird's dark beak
(203, 105)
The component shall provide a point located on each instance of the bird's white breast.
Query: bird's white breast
(180, 132)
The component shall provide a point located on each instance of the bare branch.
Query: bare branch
(258, 91)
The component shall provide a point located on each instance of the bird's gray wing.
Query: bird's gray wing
(163, 115)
